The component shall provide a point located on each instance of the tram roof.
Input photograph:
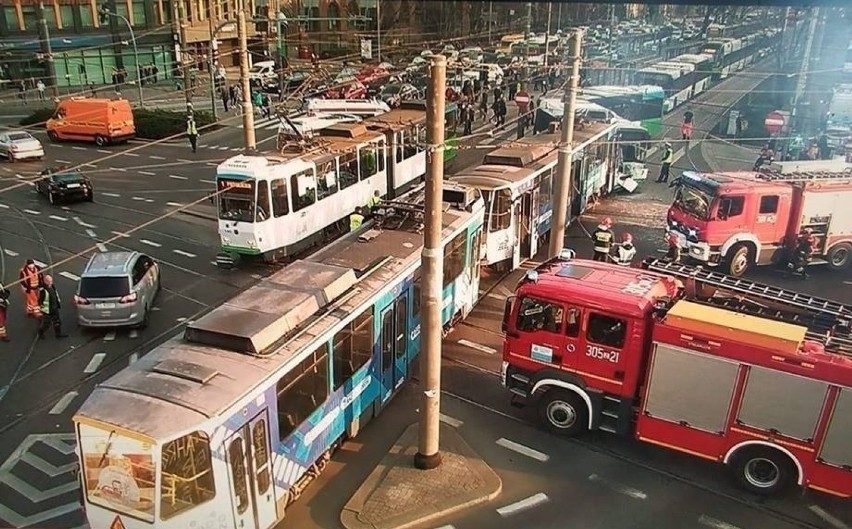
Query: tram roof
(396, 119)
(182, 383)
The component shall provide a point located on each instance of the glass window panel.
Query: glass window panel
(262, 201)
(121, 10)
(280, 201)
(87, 17)
(236, 459)
(187, 474)
(11, 18)
(301, 391)
(139, 16)
(606, 330)
(455, 258)
(66, 14)
(353, 347)
(30, 17)
(261, 455)
(304, 188)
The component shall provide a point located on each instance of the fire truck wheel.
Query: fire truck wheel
(840, 256)
(763, 471)
(564, 413)
(740, 260)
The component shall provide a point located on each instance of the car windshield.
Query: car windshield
(693, 201)
(67, 177)
(236, 199)
(19, 136)
(104, 287)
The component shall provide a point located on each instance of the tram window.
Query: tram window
(538, 315)
(401, 331)
(261, 456)
(348, 170)
(409, 148)
(369, 162)
(326, 180)
(421, 138)
(455, 258)
(381, 146)
(187, 478)
(262, 201)
(302, 390)
(387, 338)
(416, 291)
(353, 347)
(546, 186)
(237, 462)
(280, 200)
(501, 211)
(606, 330)
(399, 148)
(304, 188)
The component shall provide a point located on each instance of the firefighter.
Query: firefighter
(355, 220)
(673, 253)
(31, 279)
(668, 156)
(603, 239)
(50, 304)
(192, 133)
(625, 251)
(803, 252)
(374, 202)
(4, 306)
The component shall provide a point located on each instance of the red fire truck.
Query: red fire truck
(737, 220)
(729, 370)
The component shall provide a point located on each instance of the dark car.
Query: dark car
(291, 82)
(59, 185)
(394, 94)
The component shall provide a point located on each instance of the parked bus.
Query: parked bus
(674, 78)
(644, 104)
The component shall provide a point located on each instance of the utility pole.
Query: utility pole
(211, 59)
(379, 30)
(547, 35)
(805, 68)
(47, 50)
(566, 148)
(248, 111)
(182, 47)
(527, 44)
(490, 19)
(428, 448)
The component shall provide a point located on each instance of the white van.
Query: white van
(261, 71)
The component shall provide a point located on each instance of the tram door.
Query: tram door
(533, 220)
(250, 472)
(393, 339)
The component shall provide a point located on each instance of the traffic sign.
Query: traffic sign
(522, 98)
(774, 122)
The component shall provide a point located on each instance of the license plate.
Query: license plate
(104, 305)
(73, 186)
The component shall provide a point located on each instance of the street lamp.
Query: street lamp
(103, 13)
(281, 21)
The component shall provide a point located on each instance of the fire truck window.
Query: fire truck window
(537, 315)
(572, 322)
(731, 207)
(769, 204)
(606, 330)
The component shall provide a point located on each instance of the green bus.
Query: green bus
(645, 104)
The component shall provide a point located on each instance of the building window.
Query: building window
(31, 17)
(139, 16)
(121, 10)
(66, 15)
(301, 391)
(333, 12)
(312, 13)
(11, 15)
(167, 13)
(87, 18)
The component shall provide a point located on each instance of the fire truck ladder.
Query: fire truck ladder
(805, 176)
(828, 322)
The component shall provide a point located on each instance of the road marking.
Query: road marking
(150, 243)
(452, 421)
(94, 363)
(523, 450)
(178, 177)
(181, 320)
(156, 157)
(134, 333)
(120, 234)
(184, 160)
(18, 175)
(828, 517)
(621, 489)
(91, 234)
(63, 403)
(63, 161)
(110, 336)
(523, 505)
(6, 206)
(185, 254)
(211, 164)
(130, 154)
(214, 263)
(446, 527)
(32, 212)
(139, 199)
(57, 217)
(478, 347)
(102, 247)
(104, 151)
(84, 224)
(133, 358)
(69, 275)
(204, 181)
(224, 148)
(713, 523)
(92, 165)
(147, 173)
(113, 195)
(149, 200)
(174, 204)
(11, 253)
(39, 263)
(77, 148)
(120, 169)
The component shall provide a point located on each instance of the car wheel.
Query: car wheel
(763, 471)
(90, 197)
(563, 413)
(100, 141)
(52, 136)
(840, 257)
(740, 261)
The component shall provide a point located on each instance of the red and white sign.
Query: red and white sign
(522, 98)
(774, 122)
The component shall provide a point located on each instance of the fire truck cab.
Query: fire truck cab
(747, 375)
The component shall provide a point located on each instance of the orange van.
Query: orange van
(91, 119)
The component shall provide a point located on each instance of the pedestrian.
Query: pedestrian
(40, 86)
(673, 251)
(155, 71)
(92, 90)
(31, 279)
(4, 307)
(192, 133)
(603, 238)
(467, 117)
(355, 220)
(22, 91)
(374, 202)
(50, 304)
(668, 156)
(267, 105)
(225, 96)
(500, 110)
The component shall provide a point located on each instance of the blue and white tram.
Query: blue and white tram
(225, 426)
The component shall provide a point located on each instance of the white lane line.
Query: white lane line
(185, 254)
(184, 160)
(523, 505)
(11, 253)
(208, 181)
(156, 157)
(713, 523)
(69, 275)
(18, 175)
(57, 217)
(224, 148)
(102, 247)
(120, 234)
(621, 489)
(211, 164)
(452, 421)
(110, 336)
(113, 195)
(119, 169)
(150, 243)
(174, 204)
(181, 320)
(84, 224)
(133, 333)
(94, 363)
(104, 151)
(147, 173)
(39, 263)
(63, 403)
(478, 347)
(91, 233)
(92, 165)
(828, 517)
(77, 148)
(63, 161)
(178, 177)
(138, 199)
(523, 450)
(130, 154)
(133, 358)
(4, 206)
(32, 212)
(149, 200)
(446, 527)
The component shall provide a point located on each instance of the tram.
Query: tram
(225, 426)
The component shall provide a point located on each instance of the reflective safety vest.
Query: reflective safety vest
(191, 129)
(355, 221)
(374, 201)
(30, 277)
(45, 303)
(668, 156)
(603, 240)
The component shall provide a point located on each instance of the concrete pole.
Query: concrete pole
(428, 448)
(48, 51)
(490, 19)
(564, 165)
(248, 110)
(804, 70)
(547, 35)
(379, 30)
(527, 45)
(180, 20)
(211, 59)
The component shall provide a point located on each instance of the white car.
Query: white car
(20, 145)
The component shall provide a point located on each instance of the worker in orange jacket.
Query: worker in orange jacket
(31, 279)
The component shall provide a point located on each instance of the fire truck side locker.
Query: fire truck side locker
(824, 208)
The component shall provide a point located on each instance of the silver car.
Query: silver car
(117, 289)
(20, 145)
